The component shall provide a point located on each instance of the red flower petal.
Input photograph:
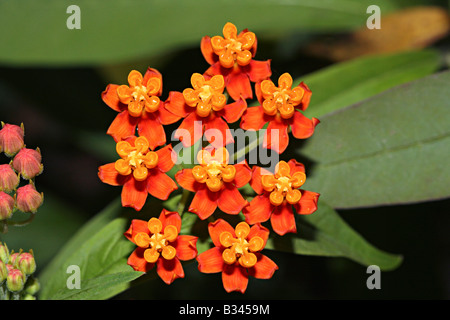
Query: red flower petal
(186, 180)
(166, 158)
(306, 97)
(169, 270)
(151, 128)
(243, 174)
(259, 209)
(216, 228)
(255, 181)
(238, 85)
(123, 126)
(234, 278)
(136, 227)
(159, 184)
(190, 130)
(207, 51)
(307, 203)
(302, 127)
(108, 174)
(283, 220)
(280, 139)
(170, 218)
(210, 261)
(264, 268)
(186, 247)
(231, 200)
(176, 104)
(254, 118)
(137, 262)
(204, 203)
(152, 73)
(110, 97)
(134, 194)
(233, 111)
(260, 231)
(166, 117)
(258, 70)
(217, 132)
(296, 166)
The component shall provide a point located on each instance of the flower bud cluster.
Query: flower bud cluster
(17, 281)
(23, 165)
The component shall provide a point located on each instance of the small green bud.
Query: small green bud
(4, 252)
(15, 280)
(26, 263)
(3, 271)
(32, 286)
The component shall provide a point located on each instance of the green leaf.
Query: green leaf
(116, 31)
(343, 84)
(390, 149)
(325, 233)
(99, 249)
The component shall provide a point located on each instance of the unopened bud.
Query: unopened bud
(3, 272)
(28, 199)
(11, 139)
(15, 280)
(28, 163)
(4, 252)
(26, 263)
(9, 180)
(32, 286)
(6, 205)
(13, 258)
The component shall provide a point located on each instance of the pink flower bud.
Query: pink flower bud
(15, 280)
(6, 206)
(9, 180)
(28, 163)
(11, 139)
(26, 263)
(28, 199)
(4, 252)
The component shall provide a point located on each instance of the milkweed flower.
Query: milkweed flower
(6, 206)
(11, 139)
(9, 180)
(27, 162)
(159, 243)
(28, 199)
(215, 183)
(140, 171)
(232, 56)
(280, 107)
(278, 194)
(139, 105)
(237, 254)
(205, 111)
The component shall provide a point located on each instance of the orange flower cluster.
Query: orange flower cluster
(144, 159)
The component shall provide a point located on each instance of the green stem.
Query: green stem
(22, 223)
(183, 200)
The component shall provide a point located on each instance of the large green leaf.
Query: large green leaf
(324, 233)
(100, 250)
(392, 148)
(119, 30)
(343, 84)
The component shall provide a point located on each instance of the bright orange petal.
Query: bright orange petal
(217, 132)
(255, 181)
(166, 158)
(259, 209)
(176, 104)
(307, 203)
(137, 262)
(108, 174)
(186, 180)
(170, 218)
(207, 51)
(306, 97)
(216, 228)
(254, 118)
(231, 200)
(296, 166)
(152, 73)
(258, 70)
(204, 203)
(186, 247)
(233, 111)
(134, 194)
(264, 268)
(257, 230)
(152, 129)
(159, 184)
(136, 226)
(110, 97)
(210, 261)
(238, 86)
(169, 270)
(123, 126)
(190, 130)
(166, 117)
(234, 278)
(276, 136)
(243, 174)
(302, 127)
(283, 220)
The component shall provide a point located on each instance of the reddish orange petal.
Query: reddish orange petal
(243, 174)
(306, 97)
(216, 228)
(159, 184)
(186, 180)
(258, 70)
(234, 278)
(137, 262)
(169, 270)
(204, 203)
(136, 226)
(123, 126)
(231, 200)
(238, 85)
(259, 209)
(110, 97)
(264, 268)
(254, 118)
(152, 73)
(307, 203)
(255, 181)
(190, 130)
(217, 132)
(207, 51)
(233, 111)
(302, 127)
(170, 218)
(108, 174)
(283, 220)
(186, 247)
(134, 194)
(296, 166)
(276, 136)
(259, 231)
(166, 117)
(210, 261)
(152, 129)
(176, 104)
(166, 158)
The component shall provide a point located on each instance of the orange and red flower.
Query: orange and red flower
(139, 106)
(203, 106)
(237, 254)
(232, 56)
(159, 243)
(215, 183)
(277, 195)
(280, 106)
(140, 171)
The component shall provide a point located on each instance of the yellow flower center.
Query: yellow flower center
(206, 95)
(139, 97)
(135, 159)
(281, 100)
(232, 48)
(157, 243)
(282, 185)
(240, 249)
(214, 170)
